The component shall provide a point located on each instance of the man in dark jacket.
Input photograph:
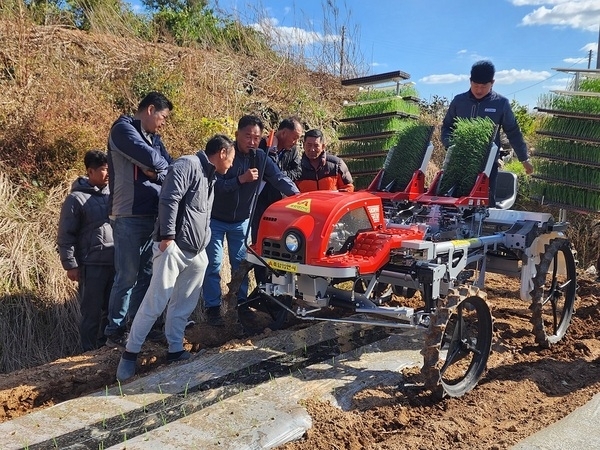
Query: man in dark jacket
(180, 238)
(85, 246)
(481, 101)
(137, 161)
(284, 153)
(234, 192)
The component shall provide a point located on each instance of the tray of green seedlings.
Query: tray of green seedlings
(548, 192)
(372, 127)
(404, 90)
(567, 173)
(471, 141)
(570, 128)
(570, 106)
(370, 103)
(568, 151)
(367, 164)
(373, 146)
(407, 155)
(362, 181)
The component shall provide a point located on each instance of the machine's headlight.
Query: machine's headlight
(292, 242)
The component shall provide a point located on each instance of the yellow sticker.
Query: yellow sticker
(302, 205)
(282, 265)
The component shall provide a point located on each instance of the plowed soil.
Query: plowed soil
(524, 388)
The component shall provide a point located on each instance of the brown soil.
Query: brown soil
(524, 389)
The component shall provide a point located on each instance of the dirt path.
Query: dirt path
(524, 388)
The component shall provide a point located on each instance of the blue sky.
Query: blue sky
(437, 41)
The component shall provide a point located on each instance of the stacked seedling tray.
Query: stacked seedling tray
(567, 158)
(370, 126)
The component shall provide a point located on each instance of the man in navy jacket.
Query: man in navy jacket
(137, 162)
(481, 101)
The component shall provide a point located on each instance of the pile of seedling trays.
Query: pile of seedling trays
(370, 126)
(567, 157)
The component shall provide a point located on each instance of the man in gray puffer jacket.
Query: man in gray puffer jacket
(85, 245)
(179, 256)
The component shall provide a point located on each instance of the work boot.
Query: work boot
(213, 316)
(126, 367)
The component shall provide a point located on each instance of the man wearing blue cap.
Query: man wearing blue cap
(481, 101)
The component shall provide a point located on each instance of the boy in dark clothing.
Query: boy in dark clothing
(85, 245)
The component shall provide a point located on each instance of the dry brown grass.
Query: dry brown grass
(63, 89)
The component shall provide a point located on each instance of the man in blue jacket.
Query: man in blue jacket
(231, 212)
(137, 162)
(481, 101)
(180, 238)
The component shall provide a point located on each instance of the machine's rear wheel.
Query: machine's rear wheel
(553, 295)
(458, 342)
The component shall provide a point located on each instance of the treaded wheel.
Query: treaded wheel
(458, 342)
(553, 294)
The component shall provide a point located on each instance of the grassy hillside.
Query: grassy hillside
(62, 89)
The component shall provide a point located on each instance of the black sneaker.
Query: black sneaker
(116, 340)
(183, 355)
(213, 316)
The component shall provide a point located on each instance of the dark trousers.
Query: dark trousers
(95, 283)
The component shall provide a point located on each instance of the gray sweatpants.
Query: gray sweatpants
(176, 284)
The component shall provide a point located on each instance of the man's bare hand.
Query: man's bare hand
(73, 274)
(150, 174)
(164, 244)
(249, 176)
(528, 167)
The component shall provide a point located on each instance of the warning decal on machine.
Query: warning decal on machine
(374, 212)
(302, 205)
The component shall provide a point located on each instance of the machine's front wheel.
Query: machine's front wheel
(458, 342)
(553, 295)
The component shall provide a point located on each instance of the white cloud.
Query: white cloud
(593, 46)
(538, 2)
(578, 14)
(446, 78)
(291, 36)
(575, 60)
(461, 52)
(502, 77)
(519, 76)
(376, 64)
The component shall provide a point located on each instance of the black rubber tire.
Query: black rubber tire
(553, 294)
(458, 342)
